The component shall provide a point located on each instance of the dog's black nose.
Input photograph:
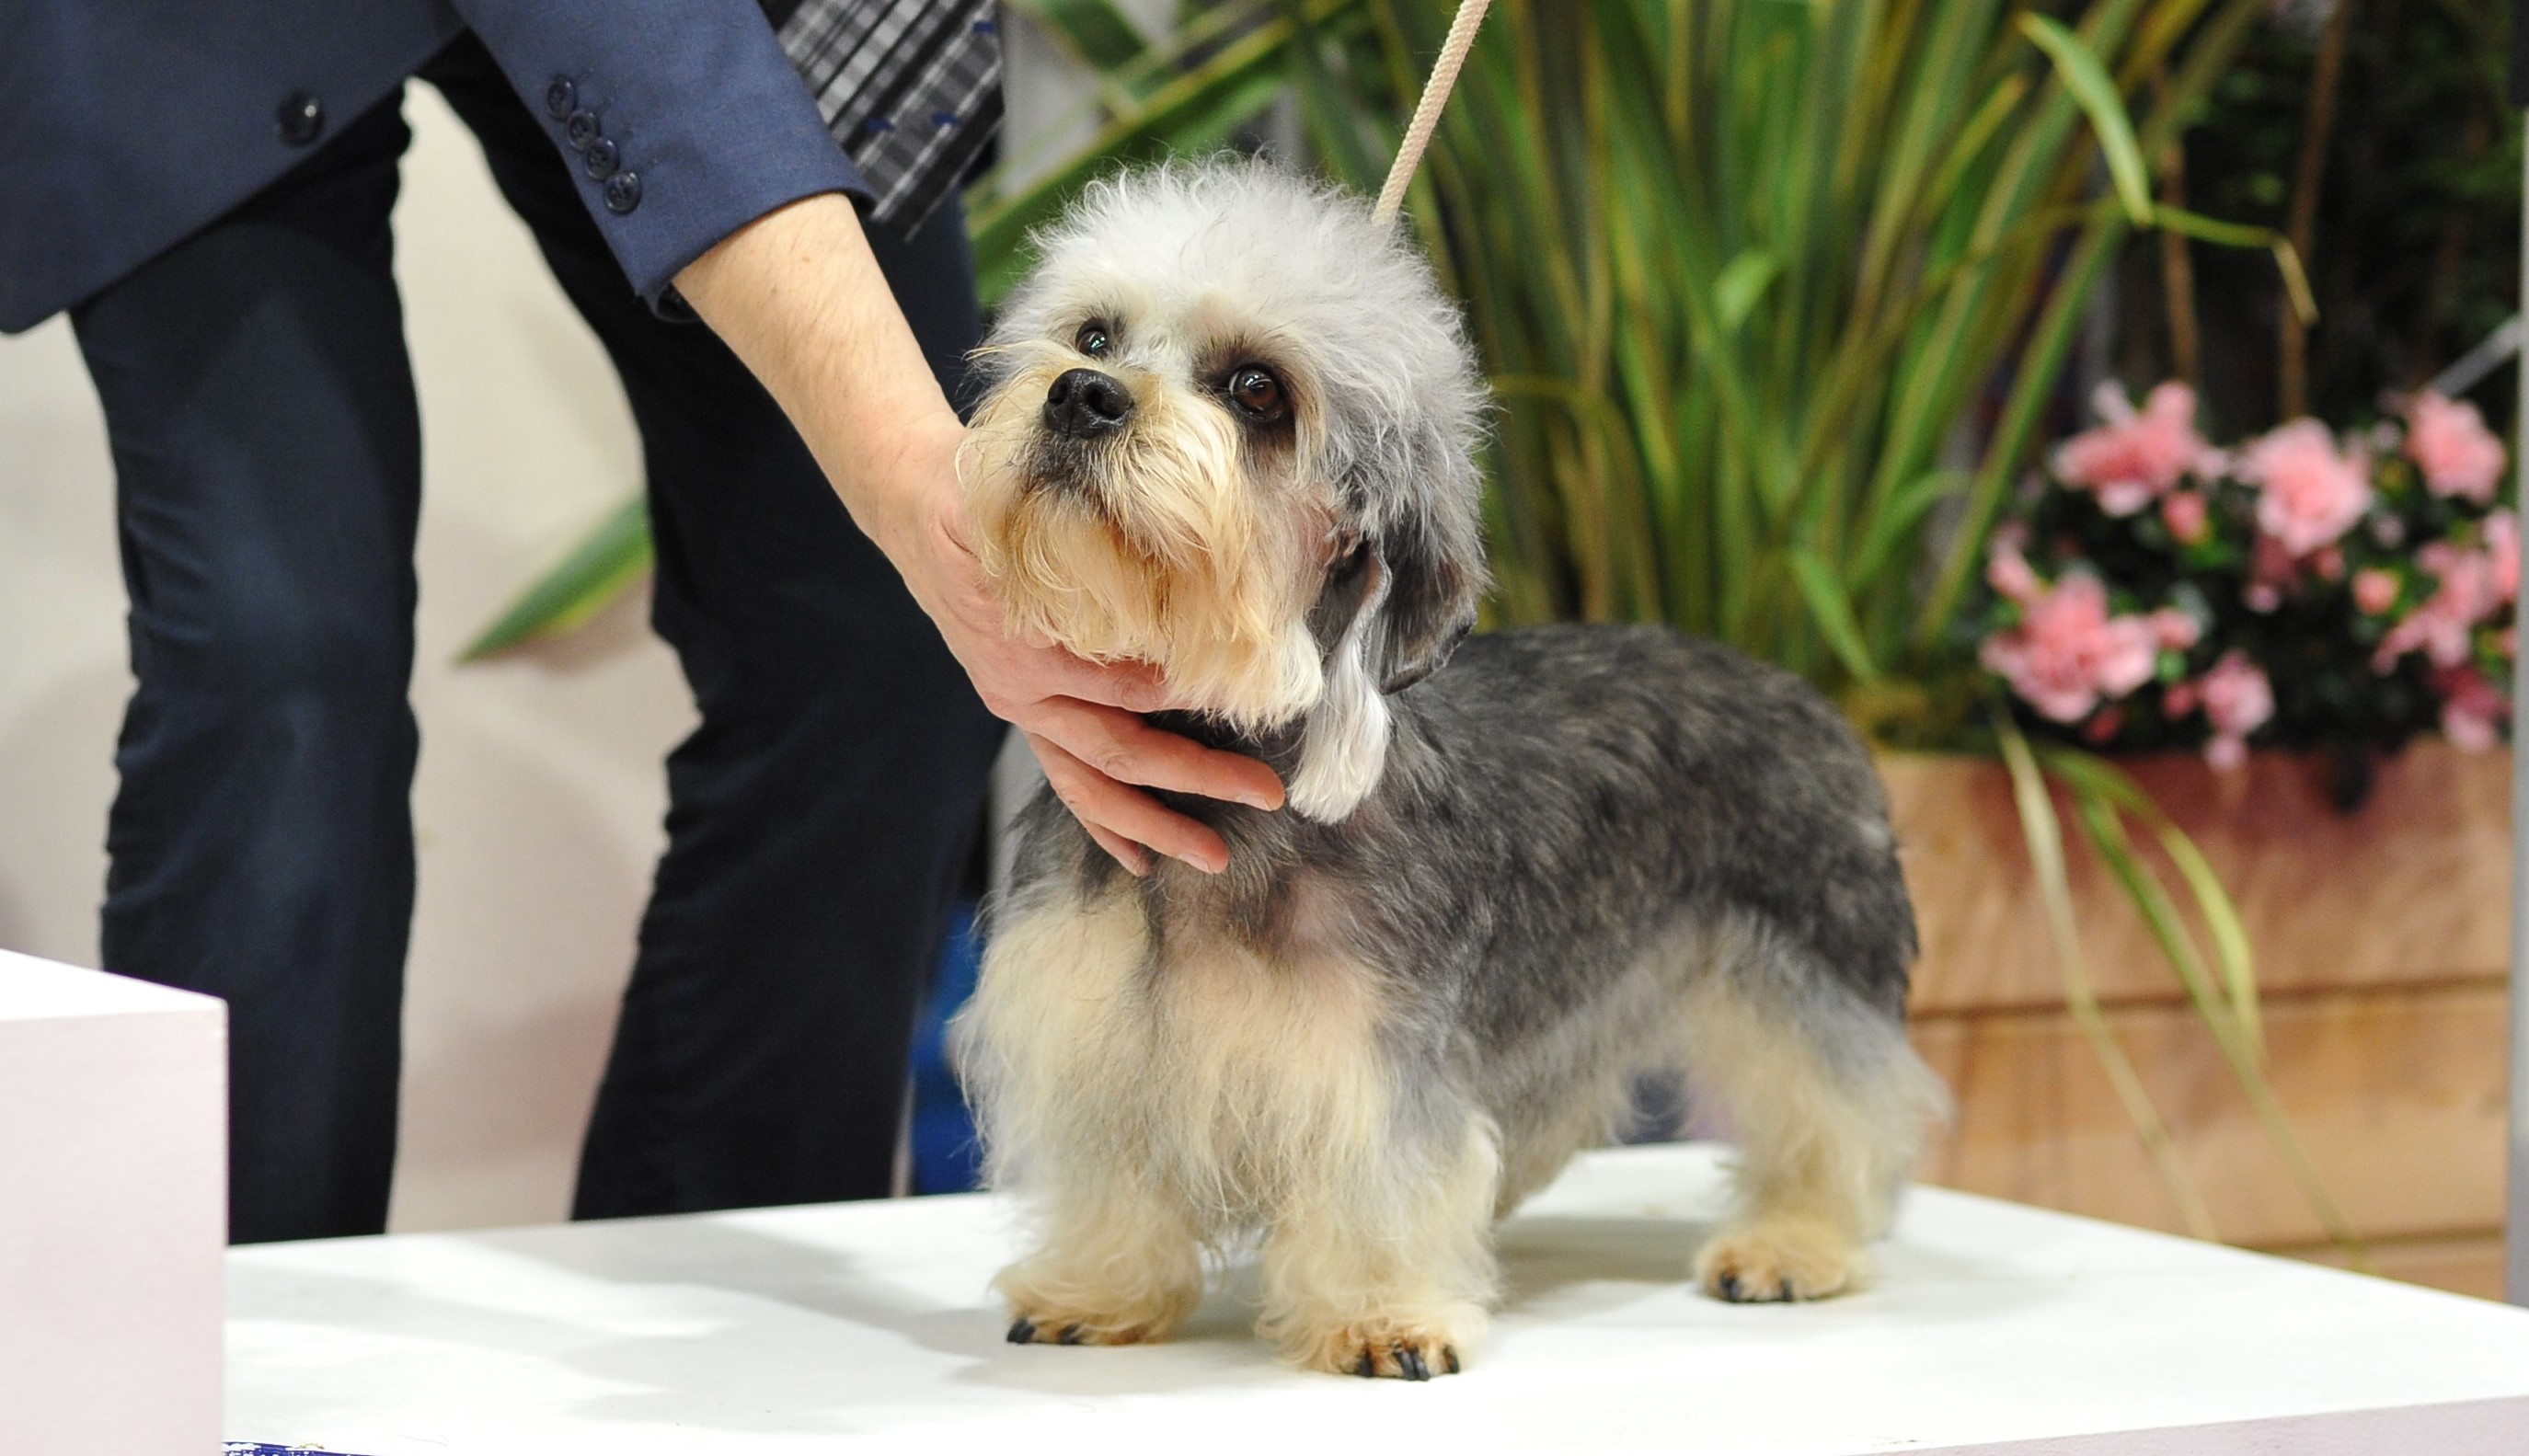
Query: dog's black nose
(1085, 403)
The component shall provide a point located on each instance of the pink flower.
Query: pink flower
(2175, 629)
(2449, 442)
(2183, 513)
(2133, 458)
(2067, 653)
(2311, 494)
(2374, 591)
(2270, 569)
(2502, 554)
(2009, 574)
(2181, 699)
(2237, 701)
(2472, 712)
(2328, 563)
(2237, 698)
(2474, 585)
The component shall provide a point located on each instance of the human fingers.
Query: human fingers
(1135, 859)
(1123, 747)
(1098, 800)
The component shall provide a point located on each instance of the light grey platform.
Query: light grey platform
(1992, 1328)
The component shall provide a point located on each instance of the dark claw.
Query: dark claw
(1070, 1335)
(1787, 1296)
(1022, 1332)
(1369, 1366)
(1730, 1288)
(1449, 1353)
(1410, 1360)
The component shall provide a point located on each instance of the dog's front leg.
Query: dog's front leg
(1385, 1266)
(1118, 1264)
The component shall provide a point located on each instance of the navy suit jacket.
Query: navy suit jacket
(127, 125)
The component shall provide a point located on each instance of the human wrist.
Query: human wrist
(902, 482)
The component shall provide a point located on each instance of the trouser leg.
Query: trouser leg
(818, 816)
(267, 460)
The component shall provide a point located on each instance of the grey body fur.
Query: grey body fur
(1568, 816)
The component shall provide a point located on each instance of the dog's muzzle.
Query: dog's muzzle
(1084, 403)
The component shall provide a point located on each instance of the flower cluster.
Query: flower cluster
(2153, 591)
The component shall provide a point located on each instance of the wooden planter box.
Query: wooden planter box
(2382, 940)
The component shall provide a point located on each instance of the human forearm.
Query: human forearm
(798, 296)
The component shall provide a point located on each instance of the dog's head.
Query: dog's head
(1231, 431)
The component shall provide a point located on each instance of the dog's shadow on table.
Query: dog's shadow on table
(1556, 1267)
(789, 1311)
(1582, 1265)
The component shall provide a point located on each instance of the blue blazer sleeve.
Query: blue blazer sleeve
(681, 120)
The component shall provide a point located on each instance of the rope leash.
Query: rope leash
(1427, 111)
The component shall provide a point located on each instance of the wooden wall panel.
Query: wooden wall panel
(2397, 1093)
(2415, 888)
(2465, 1264)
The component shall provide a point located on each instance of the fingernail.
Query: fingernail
(1204, 865)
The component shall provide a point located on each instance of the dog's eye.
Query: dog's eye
(1092, 341)
(1255, 390)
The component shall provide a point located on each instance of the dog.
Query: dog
(1231, 428)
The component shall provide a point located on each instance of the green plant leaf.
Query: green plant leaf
(2097, 810)
(2044, 836)
(2242, 235)
(2089, 84)
(1833, 613)
(2213, 903)
(1742, 282)
(1094, 31)
(595, 572)
(1899, 522)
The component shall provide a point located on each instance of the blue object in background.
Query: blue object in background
(946, 1158)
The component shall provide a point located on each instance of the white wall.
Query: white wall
(540, 790)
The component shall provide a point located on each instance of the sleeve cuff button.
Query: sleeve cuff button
(623, 193)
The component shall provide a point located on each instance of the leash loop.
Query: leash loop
(1427, 111)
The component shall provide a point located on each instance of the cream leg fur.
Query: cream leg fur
(1388, 1273)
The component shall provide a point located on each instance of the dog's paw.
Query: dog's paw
(1773, 1260)
(1043, 1327)
(1040, 1317)
(1395, 1349)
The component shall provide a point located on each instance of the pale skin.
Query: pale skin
(799, 298)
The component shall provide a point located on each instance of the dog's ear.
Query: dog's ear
(1435, 566)
(1343, 747)
(1399, 598)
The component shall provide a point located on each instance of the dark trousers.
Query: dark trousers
(267, 451)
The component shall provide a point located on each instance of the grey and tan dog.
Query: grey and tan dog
(1231, 432)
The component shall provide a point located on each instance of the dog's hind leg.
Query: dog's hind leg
(1385, 1266)
(1826, 1102)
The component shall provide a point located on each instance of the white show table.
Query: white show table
(1993, 1328)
